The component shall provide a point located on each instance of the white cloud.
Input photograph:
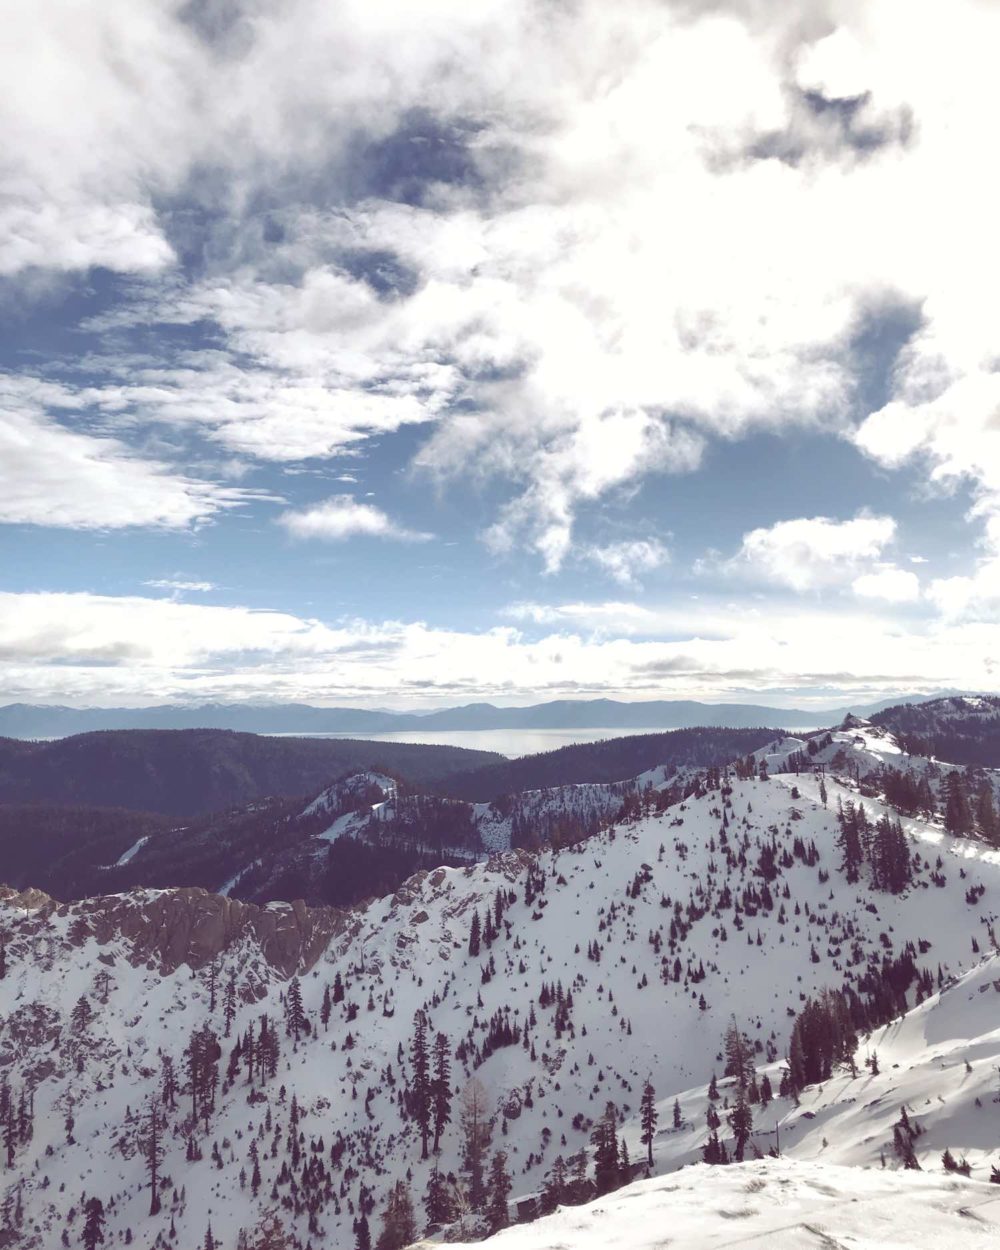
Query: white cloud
(169, 583)
(976, 597)
(84, 648)
(809, 553)
(53, 476)
(627, 561)
(613, 295)
(341, 517)
(610, 617)
(889, 583)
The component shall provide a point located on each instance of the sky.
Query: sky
(403, 354)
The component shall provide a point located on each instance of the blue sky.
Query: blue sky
(392, 354)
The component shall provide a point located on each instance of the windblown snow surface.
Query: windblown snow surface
(777, 1205)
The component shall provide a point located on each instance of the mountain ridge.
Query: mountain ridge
(21, 720)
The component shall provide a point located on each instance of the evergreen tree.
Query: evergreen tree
(556, 1190)
(739, 1055)
(474, 935)
(325, 1009)
(441, 1088)
(604, 1139)
(439, 1201)
(741, 1122)
(93, 1224)
(420, 1085)
(499, 1188)
(362, 1234)
(151, 1146)
(647, 1119)
(81, 1015)
(957, 813)
(294, 1013)
(229, 1004)
(986, 816)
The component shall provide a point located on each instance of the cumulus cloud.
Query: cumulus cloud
(809, 553)
(341, 517)
(573, 297)
(889, 583)
(974, 597)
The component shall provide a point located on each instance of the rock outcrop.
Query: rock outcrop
(191, 926)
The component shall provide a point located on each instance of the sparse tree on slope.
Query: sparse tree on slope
(441, 1087)
(93, 1224)
(648, 1117)
(296, 1016)
(497, 1214)
(420, 1084)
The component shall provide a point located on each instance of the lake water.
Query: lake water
(509, 742)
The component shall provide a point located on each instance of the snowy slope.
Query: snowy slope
(660, 929)
(779, 1204)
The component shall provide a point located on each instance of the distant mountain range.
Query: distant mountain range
(25, 720)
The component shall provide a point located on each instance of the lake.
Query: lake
(509, 742)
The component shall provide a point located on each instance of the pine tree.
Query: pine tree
(986, 817)
(93, 1224)
(497, 1215)
(439, 1201)
(555, 1191)
(420, 1085)
(741, 1122)
(739, 1055)
(152, 1150)
(678, 1118)
(474, 935)
(604, 1139)
(168, 1087)
(295, 1015)
(325, 1009)
(81, 1015)
(957, 814)
(362, 1234)
(647, 1119)
(441, 1088)
(229, 1004)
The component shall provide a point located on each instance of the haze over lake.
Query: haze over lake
(509, 742)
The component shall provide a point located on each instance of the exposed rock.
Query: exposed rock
(191, 926)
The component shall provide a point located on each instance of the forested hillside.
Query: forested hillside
(614, 759)
(964, 729)
(187, 772)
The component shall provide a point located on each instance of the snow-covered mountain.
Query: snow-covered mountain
(780, 1203)
(562, 979)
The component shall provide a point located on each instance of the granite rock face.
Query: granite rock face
(190, 926)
